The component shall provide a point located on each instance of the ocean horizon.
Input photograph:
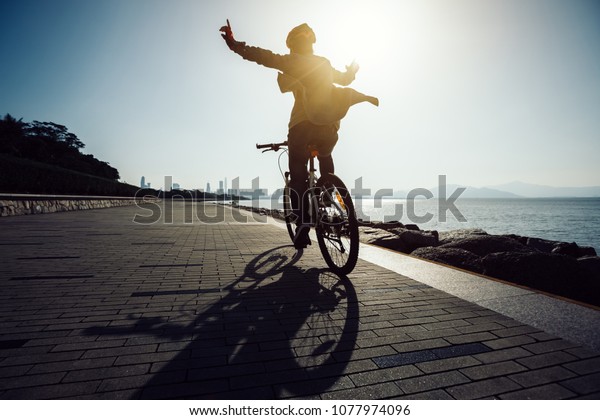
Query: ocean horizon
(559, 219)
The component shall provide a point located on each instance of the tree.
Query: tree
(54, 132)
(12, 132)
(50, 143)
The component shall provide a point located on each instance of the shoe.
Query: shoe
(301, 238)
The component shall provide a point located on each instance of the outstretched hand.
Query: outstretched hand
(227, 35)
(352, 68)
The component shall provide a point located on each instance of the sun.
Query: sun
(355, 34)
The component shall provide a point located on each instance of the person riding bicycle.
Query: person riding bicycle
(319, 106)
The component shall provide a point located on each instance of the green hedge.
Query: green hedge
(23, 176)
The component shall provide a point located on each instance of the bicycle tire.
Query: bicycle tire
(337, 226)
(288, 213)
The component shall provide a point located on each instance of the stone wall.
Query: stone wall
(11, 206)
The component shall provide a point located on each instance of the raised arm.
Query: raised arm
(255, 54)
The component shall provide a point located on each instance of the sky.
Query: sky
(485, 92)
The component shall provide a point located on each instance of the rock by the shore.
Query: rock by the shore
(561, 268)
(454, 235)
(483, 245)
(399, 238)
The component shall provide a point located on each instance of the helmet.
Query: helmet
(302, 33)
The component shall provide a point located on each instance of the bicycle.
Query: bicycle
(330, 210)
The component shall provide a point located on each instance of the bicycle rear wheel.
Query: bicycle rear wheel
(288, 213)
(337, 226)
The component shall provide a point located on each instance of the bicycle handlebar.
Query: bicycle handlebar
(271, 146)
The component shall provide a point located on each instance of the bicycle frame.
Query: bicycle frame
(330, 212)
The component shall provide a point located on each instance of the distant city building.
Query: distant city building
(168, 183)
(176, 186)
(261, 192)
(208, 187)
(143, 183)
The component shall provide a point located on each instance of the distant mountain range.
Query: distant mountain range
(531, 190)
(515, 189)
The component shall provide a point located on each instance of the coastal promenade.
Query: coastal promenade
(207, 303)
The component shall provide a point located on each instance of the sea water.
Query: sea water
(560, 219)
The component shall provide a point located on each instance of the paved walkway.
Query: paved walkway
(96, 306)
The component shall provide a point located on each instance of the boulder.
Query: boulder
(483, 245)
(574, 250)
(590, 267)
(455, 257)
(399, 239)
(542, 245)
(381, 238)
(414, 239)
(381, 225)
(554, 273)
(455, 235)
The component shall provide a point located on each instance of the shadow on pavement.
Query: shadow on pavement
(275, 332)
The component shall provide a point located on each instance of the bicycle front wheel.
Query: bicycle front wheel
(337, 226)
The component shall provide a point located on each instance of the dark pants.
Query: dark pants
(323, 138)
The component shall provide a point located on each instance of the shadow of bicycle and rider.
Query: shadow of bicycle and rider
(277, 331)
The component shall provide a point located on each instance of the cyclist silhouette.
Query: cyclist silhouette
(319, 106)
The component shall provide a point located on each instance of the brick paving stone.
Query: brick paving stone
(492, 370)
(541, 376)
(451, 363)
(431, 381)
(71, 390)
(137, 382)
(593, 396)
(500, 355)
(40, 358)
(9, 371)
(545, 392)
(307, 388)
(546, 359)
(420, 345)
(103, 373)
(441, 333)
(258, 393)
(86, 345)
(225, 371)
(436, 394)
(490, 327)
(335, 369)
(517, 330)
(120, 351)
(259, 379)
(582, 352)
(31, 380)
(583, 384)
(584, 366)
(482, 389)
(370, 392)
(384, 375)
(549, 346)
(471, 338)
(72, 365)
(185, 390)
(514, 341)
